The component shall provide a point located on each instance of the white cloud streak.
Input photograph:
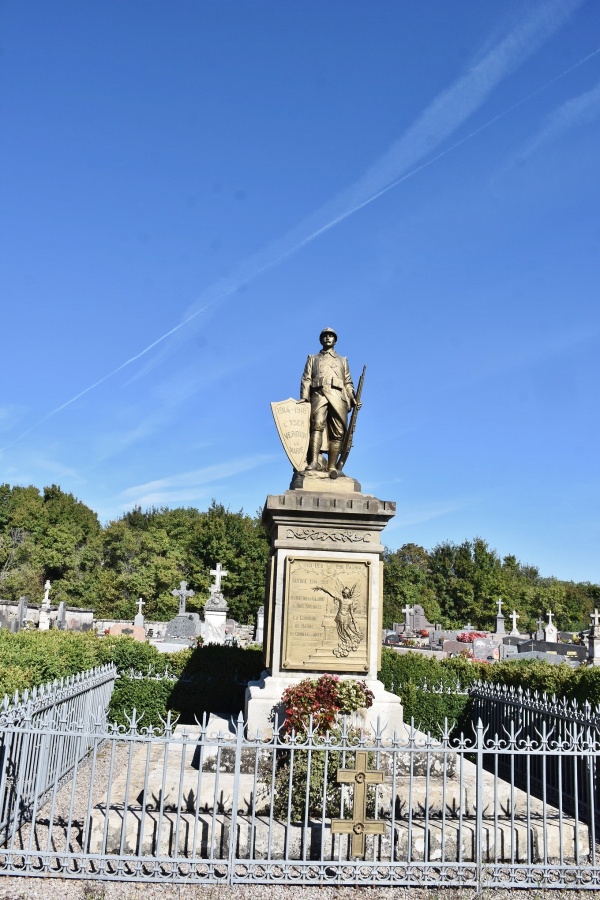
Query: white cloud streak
(445, 115)
(189, 485)
(581, 110)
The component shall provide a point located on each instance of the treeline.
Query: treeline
(458, 584)
(52, 535)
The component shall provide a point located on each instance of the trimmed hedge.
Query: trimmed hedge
(407, 674)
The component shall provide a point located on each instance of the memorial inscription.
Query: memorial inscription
(326, 615)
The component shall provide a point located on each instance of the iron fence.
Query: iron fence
(43, 736)
(526, 716)
(212, 803)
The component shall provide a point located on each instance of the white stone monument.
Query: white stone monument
(44, 621)
(500, 619)
(139, 619)
(215, 611)
(551, 631)
(515, 631)
(260, 625)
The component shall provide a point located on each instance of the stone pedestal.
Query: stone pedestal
(44, 620)
(323, 608)
(215, 618)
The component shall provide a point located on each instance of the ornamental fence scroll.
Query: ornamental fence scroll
(184, 804)
(44, 733)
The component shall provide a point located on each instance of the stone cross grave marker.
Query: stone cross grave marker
(539, 635)
(183, 593)
(219, 573)
(359, 826)
(514, 616)
(595, 619)
(139, 618)
(499, 613)
(46, 600)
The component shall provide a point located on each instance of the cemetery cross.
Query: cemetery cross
(219, 574)
(141, 603)
(183, 594)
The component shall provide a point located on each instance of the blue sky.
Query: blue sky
(190, 191)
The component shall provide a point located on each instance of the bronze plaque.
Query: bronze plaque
(293, 425)
(326, 621)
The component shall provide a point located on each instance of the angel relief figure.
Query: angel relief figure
(349, 634)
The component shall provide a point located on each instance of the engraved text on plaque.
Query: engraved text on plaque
(326, 615)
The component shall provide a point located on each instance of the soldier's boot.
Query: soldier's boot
(333, 453)
(314, 448)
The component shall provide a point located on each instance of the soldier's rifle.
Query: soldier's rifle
(347, 442)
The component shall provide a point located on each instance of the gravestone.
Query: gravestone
(185, 627)
(61, 616)
(139, 618)
(539, 635)
(216, 609)
(124, 629)
(455, 648)
(260, 625)
(415, 619)
(499, 619)
(21, 613)
(515, 631)
(44, 617)
(594, 639)
(551, 631)
(485, 648)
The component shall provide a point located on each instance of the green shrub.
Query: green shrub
(149, 697)
(14, 678)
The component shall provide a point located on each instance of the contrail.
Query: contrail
(444, 115)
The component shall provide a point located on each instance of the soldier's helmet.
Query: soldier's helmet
(328, 331)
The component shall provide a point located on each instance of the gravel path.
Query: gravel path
(59, 889)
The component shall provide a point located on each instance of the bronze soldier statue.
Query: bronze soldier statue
(327, 385)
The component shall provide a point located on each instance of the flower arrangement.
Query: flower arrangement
(467, 637)
(324, 698)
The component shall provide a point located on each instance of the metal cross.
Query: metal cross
(595, 619)
(219, 574)
(359, 826)
(141, 603)
(182, 593)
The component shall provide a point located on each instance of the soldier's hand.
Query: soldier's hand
(358, 404)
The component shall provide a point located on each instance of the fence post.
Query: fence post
(239, 737)
(479, 807)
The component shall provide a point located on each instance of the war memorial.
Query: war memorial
(324, 582)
